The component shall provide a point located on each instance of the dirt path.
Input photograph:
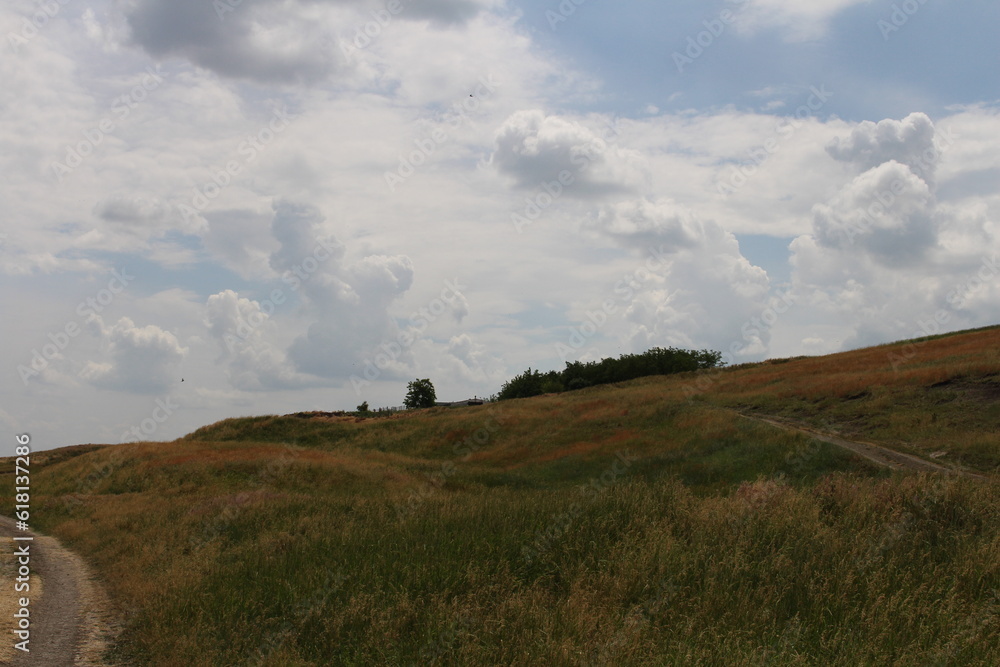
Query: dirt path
(71, 622)
(877, 453)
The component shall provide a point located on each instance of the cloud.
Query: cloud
(886, 256)
(798, 21)
(345, 304)
(222, 80)
(108, 31)
(298, 230)
(910, 141)
(534, 148)
(273, 41)
(644, 223)
(693, 288)
(351, 320)
(144, 360)
(379, 279)
(870, 303)
(347, 297)
(241, 240)
(887, 212)
(243, 328)
(141, 215)
(448, 12)
(263, 40)
(470, 362)
(126, 210)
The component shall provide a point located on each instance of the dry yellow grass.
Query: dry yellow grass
(281, 541)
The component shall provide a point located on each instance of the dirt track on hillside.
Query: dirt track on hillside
(881, 455)
(71, 621)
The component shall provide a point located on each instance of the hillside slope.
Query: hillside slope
(630, 524)
(938, 395)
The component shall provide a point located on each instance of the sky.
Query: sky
(247, 207)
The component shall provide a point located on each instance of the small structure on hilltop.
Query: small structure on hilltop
(460, 404)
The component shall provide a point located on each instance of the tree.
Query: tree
(420, 394)
(525, 385)
(363, 407)
(577, 374)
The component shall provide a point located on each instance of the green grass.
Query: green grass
(944, 396)
(826, 573)
(619, 525)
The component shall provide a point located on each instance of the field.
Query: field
(632, 524)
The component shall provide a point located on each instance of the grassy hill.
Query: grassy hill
(641, 523)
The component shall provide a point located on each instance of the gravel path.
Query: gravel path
(71, 621)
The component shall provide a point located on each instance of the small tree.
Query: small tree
(420, 394)
(363, 407)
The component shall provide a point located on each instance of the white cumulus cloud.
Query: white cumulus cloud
(534, 149)
(142, 359)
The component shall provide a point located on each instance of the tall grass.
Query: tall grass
(931, 396)
(851, 571)
(626, 525)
